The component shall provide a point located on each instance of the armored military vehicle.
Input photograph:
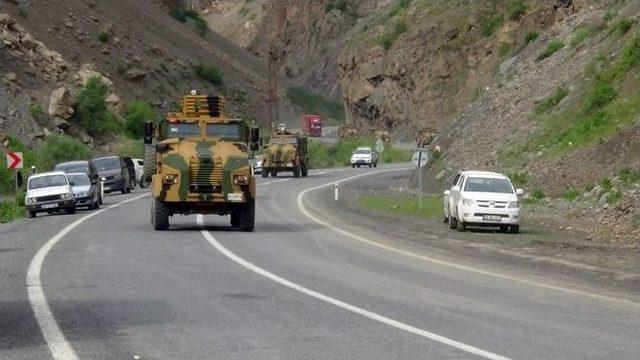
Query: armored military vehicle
(285, 152)
(197, 162)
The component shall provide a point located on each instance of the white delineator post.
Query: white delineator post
(335, 191)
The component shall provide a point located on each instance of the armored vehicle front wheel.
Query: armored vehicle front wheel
(247, 216)
(235, 219)
(305, 170)
(159, 215)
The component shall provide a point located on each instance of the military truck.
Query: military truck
(285, 152)
(197, 162)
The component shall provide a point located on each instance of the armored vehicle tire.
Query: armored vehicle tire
(305, 170)
(247, 217)
(265, 173)
(159, 215)
(235, 219)
(296, 171)
(150, 165)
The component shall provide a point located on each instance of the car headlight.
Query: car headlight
(467, 202)
(103, 178)
(65, 196)
(117, 177)
(31, 201)
(81, 194)
(514, 205)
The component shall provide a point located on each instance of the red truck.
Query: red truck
(312, 125)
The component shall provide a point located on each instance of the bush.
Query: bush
(59, 148)
(572, 194)
(552, 101)
(492, 25)
(629, 58)
(606, 184)
(12, 209)
(104, 37)
(601, 95)
(622, 26)
(209, 73)
(516, 9)
(579, 36)
(630, 176)
(91, 109)
(553, 47)
(135, 114)
(316, 104)
(531, 37)
(183, 14)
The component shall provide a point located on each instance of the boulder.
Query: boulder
(88, 71)
(135, 74)
(60, 103)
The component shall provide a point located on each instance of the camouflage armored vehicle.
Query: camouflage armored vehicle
(197, 162)
(285, 152)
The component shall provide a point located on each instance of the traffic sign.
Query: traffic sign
(379, 146)
(420, 158)
(14, 160)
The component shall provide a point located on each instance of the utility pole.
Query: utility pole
(276, 55)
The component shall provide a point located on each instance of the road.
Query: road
(302, 286)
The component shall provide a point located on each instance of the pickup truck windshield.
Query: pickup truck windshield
(492, 185)
(47, 181)
(109, 163)
(363, 152)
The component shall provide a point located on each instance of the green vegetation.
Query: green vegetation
(572, 194)
(129, 147)
(552, 101)
(244, 11)
(405, 205)
(316, 104)
(516, 9)
(104, 37)
(614, 196)
(630, 176)
(336, 4)
(323, 155)
(553, 47)
(622, 26)
(182, 14)
(135, 114)
(91, 110)
(12, 209)
(492, 25)
(209, 73)
(519, 178)
(579, 36)
(504, 48)
(536, 196)
(389, 38)
(36, 111)
(59, 148)
(609, 15)
(601, 94)
(399, 7)
(531, 37)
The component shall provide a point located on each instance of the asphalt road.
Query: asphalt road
(296, 288)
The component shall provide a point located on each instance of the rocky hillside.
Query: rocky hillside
(49, 49)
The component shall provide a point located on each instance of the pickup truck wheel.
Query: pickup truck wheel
(370, 165)
(274, 174)
(353, 166)
(296, 171)
(70, 211)
(159, 215)
(453, 223)
(265, 173)
(514, 229)
(247, 217)
(461, 226)
(31, 214)
(375, 165)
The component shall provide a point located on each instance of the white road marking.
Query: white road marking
(60, 348)
(354, 309)
(306, 212)
(274, 182)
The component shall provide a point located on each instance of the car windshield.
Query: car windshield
(224, 131)
(73, 167)
(109, 163)
(47, 181)
(363, 152)
(78, 180)
(492, 185)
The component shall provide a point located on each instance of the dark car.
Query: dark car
(82, 166)
(113, 173)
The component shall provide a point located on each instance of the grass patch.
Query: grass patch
(519, 178)
(572, 194)
(504, 48)
(601, 95)
(36, 111)
(389, 38)
(129, 147)
(579, 36)
(622, 26)
(606, 184)
(323, 155)
(12, 208)
(492, 25)
(552, 101)
(531, 37)
(316, 104)
(104, 37)
(630, 176)
(516, 9)
(399, 7)
(614, 197)
(183, 14)
(59, 148)
(405, 205)
(535, 197)
(209, 73)
(553, 47)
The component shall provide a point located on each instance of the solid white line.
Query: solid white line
(306, 212)
(60, 348)
(274, 182)
(354, 309)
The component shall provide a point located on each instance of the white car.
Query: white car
(48, 192)
(138, 165)
(364, 156)
(480, 198)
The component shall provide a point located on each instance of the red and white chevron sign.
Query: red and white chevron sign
(14, 160)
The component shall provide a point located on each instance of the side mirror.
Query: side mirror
(519, 192)
(255, 135)
(455, 188)
(149, 128)
(447, 192)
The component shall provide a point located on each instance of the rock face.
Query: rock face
(61, 103)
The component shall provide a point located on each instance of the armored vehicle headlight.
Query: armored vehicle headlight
(240, 179)
(170, 179)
